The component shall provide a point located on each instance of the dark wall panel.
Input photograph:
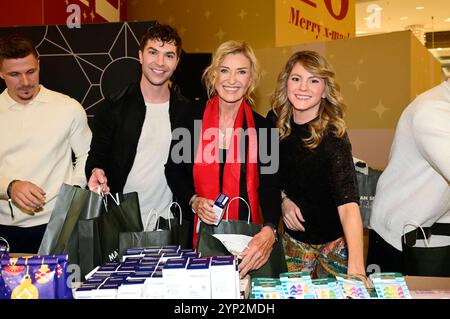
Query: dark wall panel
(90, 63)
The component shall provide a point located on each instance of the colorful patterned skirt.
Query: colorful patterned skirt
(324, 260)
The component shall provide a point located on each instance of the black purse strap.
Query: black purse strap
(436, 229)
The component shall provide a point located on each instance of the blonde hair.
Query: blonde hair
(232, 47)
(331, 110)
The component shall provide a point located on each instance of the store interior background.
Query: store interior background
(380, 68)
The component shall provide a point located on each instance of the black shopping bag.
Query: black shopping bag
(367, 179)
(157, 237)
(181, 229)
(426, 261)
(61, 234)
(208, 245)
(122, 214)
(165, 233)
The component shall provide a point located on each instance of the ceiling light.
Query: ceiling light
(420, 8)
(378, 8)
(403, 18)
(439, 49)
(366, 18)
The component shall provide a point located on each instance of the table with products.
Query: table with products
(170, 272)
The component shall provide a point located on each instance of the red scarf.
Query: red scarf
(207, 168)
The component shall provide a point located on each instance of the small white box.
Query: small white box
(154, 286)
(85, 292)
(174, 248)
(175, 279)
(223, 277)
(106, 291)
(108, 267)
(199, 279)
(218, 207)
(170, 255)
(131, 289)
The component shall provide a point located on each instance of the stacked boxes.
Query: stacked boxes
(224, 277)
(199, 278)
(298, 285)
(163, 272)
(175, 279)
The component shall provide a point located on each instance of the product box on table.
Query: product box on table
(223, 277)
(175, 279)
(85, 291)
(167, 248)
(131, 289)
(170, 255)
(190, 254)
(199, 278)
(106, 291)
(109, 267)
(154, 286)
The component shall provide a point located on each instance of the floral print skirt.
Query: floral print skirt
(324, 260)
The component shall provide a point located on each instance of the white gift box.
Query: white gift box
(199, 279)
(131, 289)
(85, 291)
(175, 279)
(106, 291)
(223, 277)
(154, 286)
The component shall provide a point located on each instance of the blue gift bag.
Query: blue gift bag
(37, 277)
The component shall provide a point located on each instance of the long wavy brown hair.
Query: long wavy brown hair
(232, 47)
(331, 110)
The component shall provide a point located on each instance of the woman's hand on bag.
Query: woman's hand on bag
(98, 179)
(203, 207)
(292, 216)
(27, 195)
(257, 252)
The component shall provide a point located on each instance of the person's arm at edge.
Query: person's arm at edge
(350, 218)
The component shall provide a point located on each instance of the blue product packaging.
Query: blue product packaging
(63, 289)
(218, 207)
(4, 247)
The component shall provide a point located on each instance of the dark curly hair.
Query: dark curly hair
(163, 33)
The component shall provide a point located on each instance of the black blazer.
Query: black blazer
(117, 129)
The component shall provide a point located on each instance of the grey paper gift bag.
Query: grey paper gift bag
(61, 234)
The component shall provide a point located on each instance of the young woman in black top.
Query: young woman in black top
(324, 232)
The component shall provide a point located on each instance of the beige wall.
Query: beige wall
(379, 75)
(204, 24)
(423, 69)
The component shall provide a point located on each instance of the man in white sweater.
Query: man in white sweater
(39, 129)
(414, 188)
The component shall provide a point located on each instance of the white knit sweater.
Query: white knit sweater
(414, 187)
(36, 145)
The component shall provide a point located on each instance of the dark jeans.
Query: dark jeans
(382, 256)
(23, 240)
